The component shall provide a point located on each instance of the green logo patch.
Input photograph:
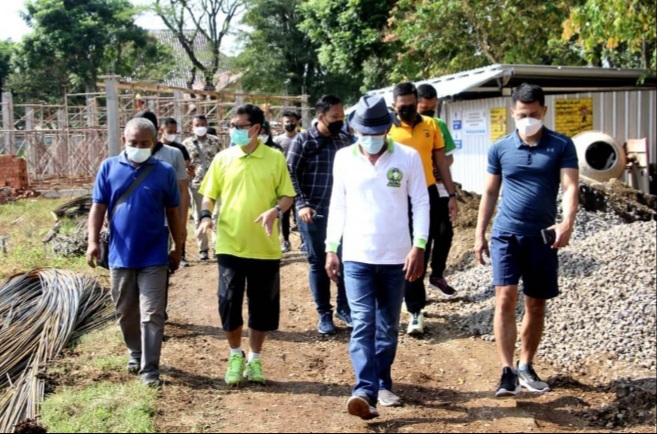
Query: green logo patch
(394, 177)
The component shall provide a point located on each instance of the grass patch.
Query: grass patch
(95, 393)
(26, 222)
(102, 407)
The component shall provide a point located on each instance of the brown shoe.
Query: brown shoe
(359, 406)
(442, 287)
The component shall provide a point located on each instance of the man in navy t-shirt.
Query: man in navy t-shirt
(138, 250)
(531, 163)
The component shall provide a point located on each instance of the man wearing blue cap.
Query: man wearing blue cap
(373, 180)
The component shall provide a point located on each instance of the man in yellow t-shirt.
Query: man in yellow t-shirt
(251, 183)
(422, 134)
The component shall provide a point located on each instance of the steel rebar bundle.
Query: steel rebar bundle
(40, 313)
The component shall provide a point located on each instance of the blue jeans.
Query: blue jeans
(314, 236)
(375, 294)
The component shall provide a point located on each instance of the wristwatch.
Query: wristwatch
(453, 195)
(280, 211)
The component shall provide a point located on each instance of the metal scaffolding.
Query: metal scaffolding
(71, 140)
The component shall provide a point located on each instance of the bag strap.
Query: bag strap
(133, 186)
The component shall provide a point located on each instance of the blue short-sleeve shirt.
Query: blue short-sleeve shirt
(530, 179)
(139, 235)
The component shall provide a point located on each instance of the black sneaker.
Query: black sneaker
(326, 326)
(442, 287)
(133, 366)
(203, 255)
(509, 385)
(530, 381)
(345, 317)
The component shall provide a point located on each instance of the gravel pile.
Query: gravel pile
(608, 301)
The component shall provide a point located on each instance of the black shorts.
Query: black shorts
(261, 279)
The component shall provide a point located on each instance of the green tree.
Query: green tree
(351, 37)
(446, 36)
(279, 58)
(209, 20)
(73, 42)
(614, 33)
(6, 48)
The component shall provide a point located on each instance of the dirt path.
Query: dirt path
(446, 379)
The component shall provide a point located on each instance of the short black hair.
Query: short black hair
(527, 94)
(147, 114)
(255, 113)
(426, 91)
(405, 88)
(201, 118)
(169, 121)
(212, 131)
(291, 114)
(325, 102)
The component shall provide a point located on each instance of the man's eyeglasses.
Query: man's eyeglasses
(241, 127)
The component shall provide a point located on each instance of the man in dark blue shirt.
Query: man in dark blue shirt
(531, 163)
(310, 161)
(138, 248)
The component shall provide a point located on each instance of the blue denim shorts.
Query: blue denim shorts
(515, 256)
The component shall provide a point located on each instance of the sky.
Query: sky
(12, 26)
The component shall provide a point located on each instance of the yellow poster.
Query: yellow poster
(497, 122)
(572, 116)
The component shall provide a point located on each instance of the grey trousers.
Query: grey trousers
(139, 295)
(197, 200)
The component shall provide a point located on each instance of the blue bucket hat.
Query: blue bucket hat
(371, 116)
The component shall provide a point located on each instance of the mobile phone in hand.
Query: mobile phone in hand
(549, 236)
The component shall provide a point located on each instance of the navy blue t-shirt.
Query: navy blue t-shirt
(139, 233)
(530, 180)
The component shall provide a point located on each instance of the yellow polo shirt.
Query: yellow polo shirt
(425, 137)
(244, 187)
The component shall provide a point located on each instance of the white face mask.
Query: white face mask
(138, 155)
(528, 126)
(200, 131)
(170, 137)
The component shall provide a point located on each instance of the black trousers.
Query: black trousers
(415, 294)
(442, 243)
(285, 224)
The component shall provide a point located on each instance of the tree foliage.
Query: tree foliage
(447, 36)
(279, 58)
(6, 48)
(614, 33)
(208, 19)
(350, 35)
(73, 42)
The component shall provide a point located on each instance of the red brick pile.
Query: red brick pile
(13, 172)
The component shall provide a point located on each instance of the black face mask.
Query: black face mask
(335, 127)
(290, 127)
(407, 113)
(429, 113)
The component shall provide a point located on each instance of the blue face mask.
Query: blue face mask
(372, 144)
(239, 137)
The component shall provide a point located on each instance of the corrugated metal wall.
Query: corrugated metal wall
(621, 114)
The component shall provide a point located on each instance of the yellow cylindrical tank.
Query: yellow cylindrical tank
(600, 157)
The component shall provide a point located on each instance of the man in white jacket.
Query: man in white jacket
(373, 180)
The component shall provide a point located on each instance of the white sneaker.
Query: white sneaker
(416, 324)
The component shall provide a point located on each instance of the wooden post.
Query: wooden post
(8, 123)
(305, 112)
(113, 124)
(178, 97)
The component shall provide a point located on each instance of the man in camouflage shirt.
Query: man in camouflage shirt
(202, 148)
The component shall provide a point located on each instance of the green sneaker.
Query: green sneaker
(253, 372)
(235, 369)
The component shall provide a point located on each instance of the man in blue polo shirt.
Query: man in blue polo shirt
(138, 248)
(531, 163)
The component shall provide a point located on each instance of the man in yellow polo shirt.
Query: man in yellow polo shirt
(422, 134)
(251, 183)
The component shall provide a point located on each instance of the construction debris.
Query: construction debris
(8, 194)
(41, 312)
